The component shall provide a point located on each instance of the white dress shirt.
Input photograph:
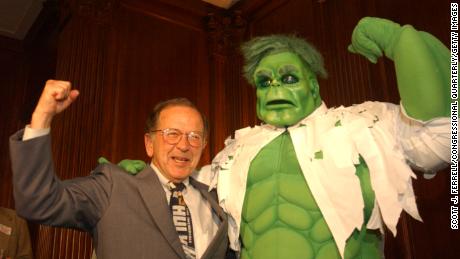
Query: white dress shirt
(204, 229)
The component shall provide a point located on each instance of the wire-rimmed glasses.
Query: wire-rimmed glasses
(173, 136)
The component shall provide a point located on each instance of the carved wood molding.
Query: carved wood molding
(101, 11)
(98, 11)
(190, 17)
(225, 32)
(257, 9)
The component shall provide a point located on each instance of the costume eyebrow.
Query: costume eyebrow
(263, 73)
(288, 69)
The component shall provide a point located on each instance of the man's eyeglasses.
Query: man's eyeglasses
(173, 136)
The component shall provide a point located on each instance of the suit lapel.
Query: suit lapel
(221, 233)
(155, 200)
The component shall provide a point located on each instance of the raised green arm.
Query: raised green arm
(421, 64)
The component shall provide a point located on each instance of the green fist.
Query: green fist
(374, 36)
(133, 167)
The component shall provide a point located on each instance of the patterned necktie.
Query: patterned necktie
(181, 218)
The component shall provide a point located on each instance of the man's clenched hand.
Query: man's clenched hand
(56, 96)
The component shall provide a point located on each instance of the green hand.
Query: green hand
(374, 36)
(421, 64)
(103, 160)
(133, 167)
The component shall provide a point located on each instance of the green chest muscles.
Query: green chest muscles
(280, 218)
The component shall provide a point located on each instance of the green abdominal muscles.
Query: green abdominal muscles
(280, 218)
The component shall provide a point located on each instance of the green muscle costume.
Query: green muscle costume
(280, 217)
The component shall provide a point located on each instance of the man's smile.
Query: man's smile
(180, 159)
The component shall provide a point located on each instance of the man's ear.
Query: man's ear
(148, 142)
(204, 144)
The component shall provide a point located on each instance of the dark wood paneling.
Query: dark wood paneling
(232, 99)
(12, 90)
(156, 60)
(23, 64)
(125, 56)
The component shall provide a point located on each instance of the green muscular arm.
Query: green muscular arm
(421, 64)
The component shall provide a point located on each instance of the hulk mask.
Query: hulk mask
(287, 91)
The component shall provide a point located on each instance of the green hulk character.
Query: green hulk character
(313, 182)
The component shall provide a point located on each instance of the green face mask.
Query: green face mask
(287, 91)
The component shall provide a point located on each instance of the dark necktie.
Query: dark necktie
(181, 218)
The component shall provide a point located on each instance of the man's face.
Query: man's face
(287, 91)
(176, 161)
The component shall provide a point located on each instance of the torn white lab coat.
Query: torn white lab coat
(387, 139)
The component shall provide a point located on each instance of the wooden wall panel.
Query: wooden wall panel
(156, 60)
(24, 66)
(82, 53)
(12, 89)
(125, 56)
(231, 97)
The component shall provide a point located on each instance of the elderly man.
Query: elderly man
(159, 213)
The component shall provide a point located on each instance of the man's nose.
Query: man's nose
(183, 143)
